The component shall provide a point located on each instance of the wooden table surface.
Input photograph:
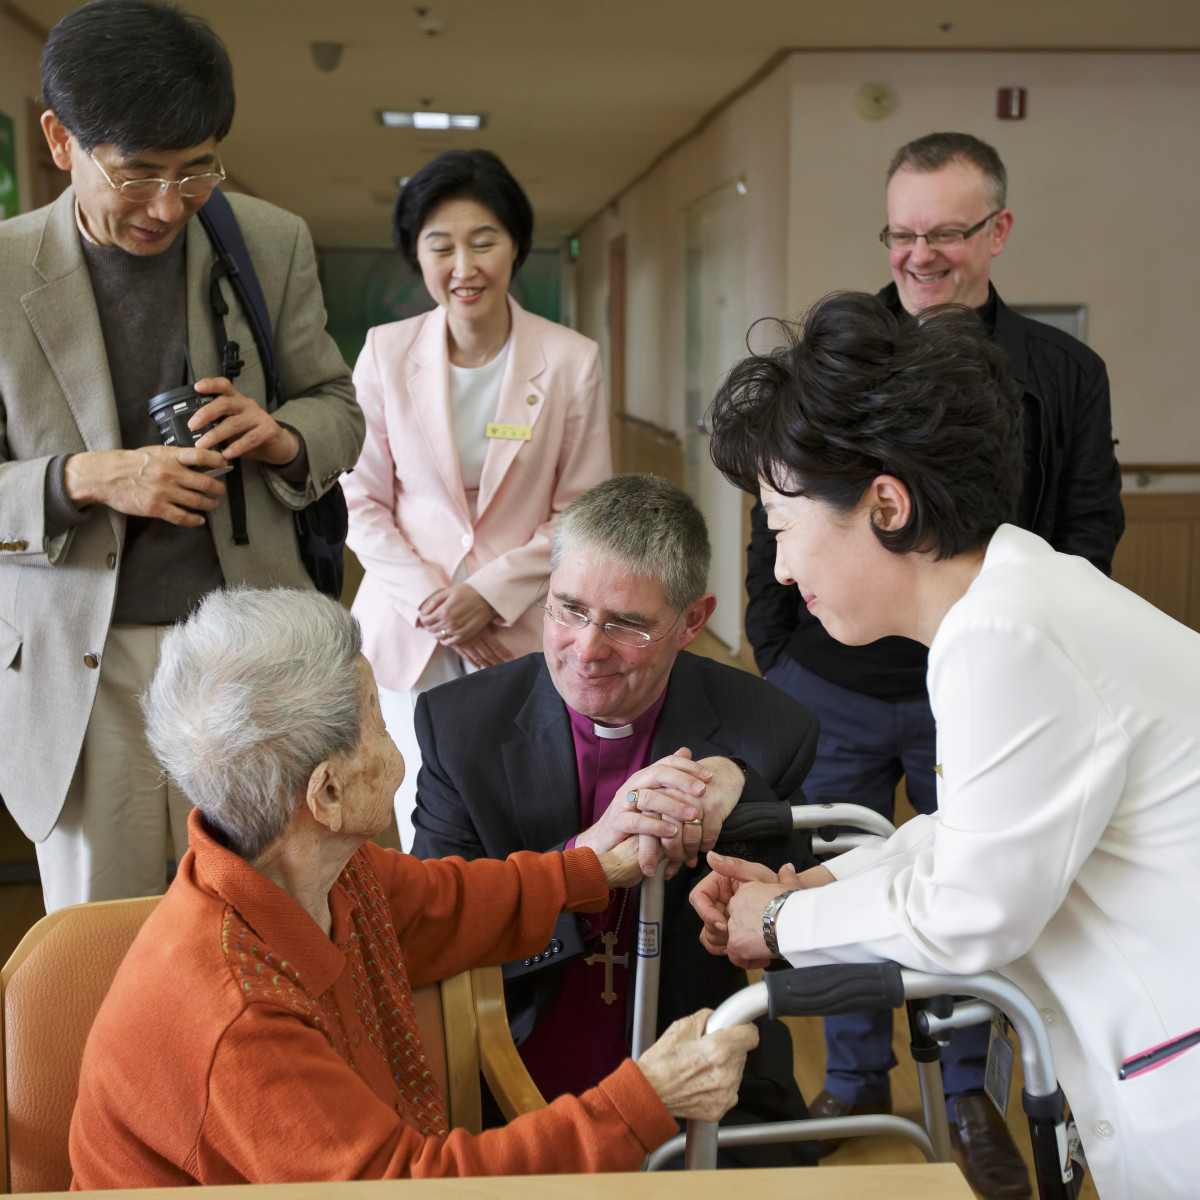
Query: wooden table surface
(908, 1181)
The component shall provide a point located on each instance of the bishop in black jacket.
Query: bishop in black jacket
(499, 771)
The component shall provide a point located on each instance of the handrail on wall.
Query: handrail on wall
(650, 426)
(1160, 468)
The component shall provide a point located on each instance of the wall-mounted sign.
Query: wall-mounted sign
(8, 168)
(1010, 104)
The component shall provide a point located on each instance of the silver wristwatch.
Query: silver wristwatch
(769, 915)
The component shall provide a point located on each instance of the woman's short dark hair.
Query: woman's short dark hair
(477, 175)
(856, 392)
(138, 75)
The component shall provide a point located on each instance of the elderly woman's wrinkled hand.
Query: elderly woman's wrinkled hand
(622, 864)
(697, 1075)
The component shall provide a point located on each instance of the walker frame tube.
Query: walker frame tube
(1041, 1098)
(650, 902)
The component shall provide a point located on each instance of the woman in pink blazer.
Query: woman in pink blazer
(483, 422)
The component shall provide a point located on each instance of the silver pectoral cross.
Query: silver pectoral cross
(608, 958)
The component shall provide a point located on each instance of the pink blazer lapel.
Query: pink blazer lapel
(428, 381)
(521, 403)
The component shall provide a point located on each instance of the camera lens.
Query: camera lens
(172, 410)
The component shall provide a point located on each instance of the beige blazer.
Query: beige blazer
(56, 594)
(409, 520)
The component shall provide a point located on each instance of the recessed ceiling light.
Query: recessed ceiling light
(431, 120)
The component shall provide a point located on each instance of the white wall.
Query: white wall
(1104, 175)
(20, 79)
(1104, 181)
(749, 140)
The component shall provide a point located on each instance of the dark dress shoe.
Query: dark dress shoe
(991, 1161)
(828, 1105)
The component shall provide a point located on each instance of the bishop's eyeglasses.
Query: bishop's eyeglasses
(623, 635)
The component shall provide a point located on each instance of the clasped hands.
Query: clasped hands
(458, 616)
(731, 901)
(681, 804)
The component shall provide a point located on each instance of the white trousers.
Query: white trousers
(398, 709)
(110, 839)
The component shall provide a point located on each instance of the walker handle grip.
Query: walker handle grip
(840, 988)
(755, 821)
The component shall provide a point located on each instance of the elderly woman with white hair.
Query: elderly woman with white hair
(261, 1028)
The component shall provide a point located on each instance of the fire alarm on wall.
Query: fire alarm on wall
(1010, 104)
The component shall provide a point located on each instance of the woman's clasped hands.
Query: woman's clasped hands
(460, 617)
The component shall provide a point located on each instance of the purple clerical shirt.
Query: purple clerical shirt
(581, 1036)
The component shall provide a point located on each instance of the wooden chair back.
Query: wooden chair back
(50, 991)
(464, 1027)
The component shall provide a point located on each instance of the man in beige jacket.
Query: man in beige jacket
(107, 537)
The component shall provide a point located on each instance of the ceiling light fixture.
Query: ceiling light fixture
(431, 120)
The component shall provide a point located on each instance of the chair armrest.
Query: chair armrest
(503, 1068)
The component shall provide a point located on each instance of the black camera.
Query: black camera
(172, 410)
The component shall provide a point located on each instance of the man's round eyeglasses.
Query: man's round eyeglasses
(935, 237)
(623, 635)
(142, 191)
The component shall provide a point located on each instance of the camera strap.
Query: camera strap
(321, 526)
(231, 367)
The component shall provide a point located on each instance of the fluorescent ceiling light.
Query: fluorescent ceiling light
(431, 120)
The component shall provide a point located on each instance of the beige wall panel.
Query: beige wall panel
(1154, 560)
(640, 448)
(1159, 556)
(1193, 614)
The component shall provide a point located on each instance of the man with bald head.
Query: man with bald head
(947, 222)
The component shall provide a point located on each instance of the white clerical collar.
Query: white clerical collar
(612, 733)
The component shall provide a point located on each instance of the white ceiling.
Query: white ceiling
(580, 95)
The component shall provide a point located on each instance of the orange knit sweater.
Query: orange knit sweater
(239, 1044)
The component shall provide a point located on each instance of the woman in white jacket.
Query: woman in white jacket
(1065, 852)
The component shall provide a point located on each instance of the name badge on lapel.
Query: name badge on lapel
(512, 433)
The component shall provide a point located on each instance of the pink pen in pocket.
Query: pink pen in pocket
(1156, 1056)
